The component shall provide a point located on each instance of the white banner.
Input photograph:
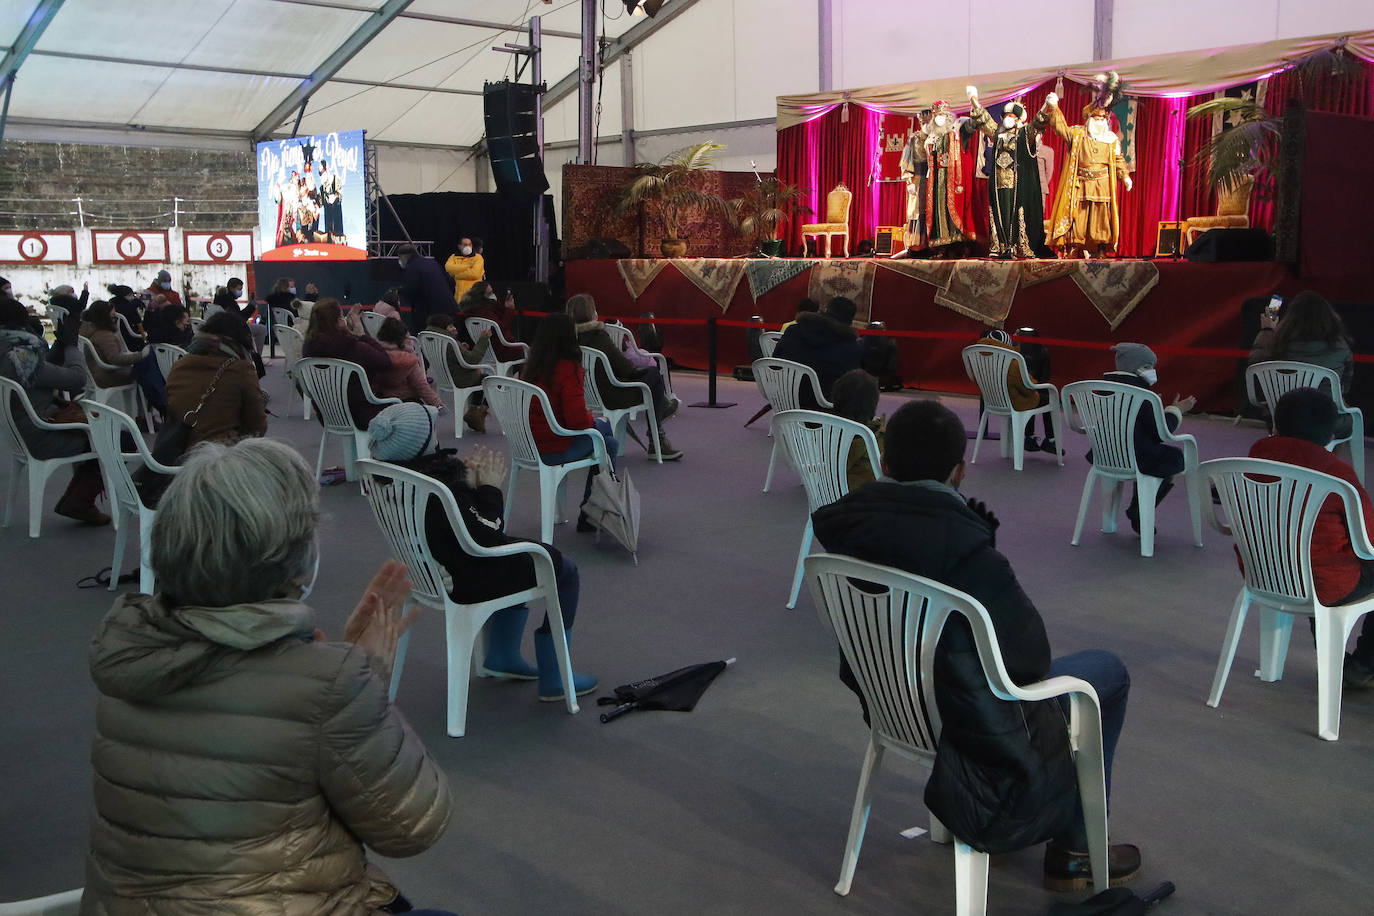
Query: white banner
(38, 247)
(217, 247)
(130, 246)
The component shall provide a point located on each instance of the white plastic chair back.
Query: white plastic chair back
(818, 446)
(372, 322)
(127, 394)
(596, 367)
(56, 314)
(780, 382)
(282, 317)
(167, 355)
(326, 382)
(475, 327)
(399, 499)
(108, 427)
(436, 348)
(291, 343)
(210, 311)
(38, 469)
(988, 367)
(197, 324)
(122, 329)
(1276, 378)
(888, 624)
(512, 400)
(768, 342)
(624, 339)
(1271, 509)
(67, 903)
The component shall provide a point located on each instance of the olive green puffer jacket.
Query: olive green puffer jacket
(241, 767)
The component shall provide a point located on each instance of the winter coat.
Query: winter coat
(235, 409)
(593, 334)
(1153, 456)
(1023, 396)
(107, 345)
(405, 379)
(240, 767)
(1336, 357)
(364, 351)
(830, 347)
(569, 404)
(465, 271)
(482, 510)
(857, 469)
(1335, 568)
(173, 297)
(160, 330)
(424, 290)
(24, 358)
(1004, 776)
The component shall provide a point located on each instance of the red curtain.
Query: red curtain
(827, 151)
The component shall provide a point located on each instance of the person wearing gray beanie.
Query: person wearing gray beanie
(1135, 366)
(404, 434)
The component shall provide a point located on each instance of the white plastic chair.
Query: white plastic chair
(1278, 377)
(624, 338)
(475, 327)
(39, 469)
(127, 394)
(988, 366)
(56, 314)
(779, 382)
(210, 310)
(888, 630)
(372, 323)
(197, 324)
(818, 446)
(326, 381)
(768, 342)
(1106, 412)
(399, 499)
(67, 903)
(436, 347)
(291, 343)
(1271, 509)
(106, 425)
(512, 400)
(124, 328)
(282, 318)
(596, 366)
(167, 355)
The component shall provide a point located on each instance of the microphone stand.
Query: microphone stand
(1178, 239)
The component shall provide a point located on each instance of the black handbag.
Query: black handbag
(170, 444)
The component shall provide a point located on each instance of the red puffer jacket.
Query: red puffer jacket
(569, 408)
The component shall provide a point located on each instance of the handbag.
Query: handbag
(170, 444)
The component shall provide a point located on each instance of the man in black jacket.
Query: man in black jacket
(425, 288)
(1004, 777)
(825, 341)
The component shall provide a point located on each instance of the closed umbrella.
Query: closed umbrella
(677, 690)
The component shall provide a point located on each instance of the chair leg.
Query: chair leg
(460, 403)
(1193, 480)
(1005, 436)
(1111, 503)
(350, 447)
(858, 820)
(939, 833)
(1228, 647)
(510, 488)
(548, 504)
(1332, 632)
(1146, 488)
(1356, 446)
(978, 439)
(39, 472)
(305, 402)
(402, 645)
(772, 462)
(970, 880)
(1089, 762)
(1083, 503)
(653, 431)
(145, 553)
(460, 633)
(807, 536)
(319, 461)
(1017, 422)
(12, 492)
(1275, 629)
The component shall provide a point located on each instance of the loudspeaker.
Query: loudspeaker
(1169, 241)
(889, 240)
(512, 138)
(1231, 245)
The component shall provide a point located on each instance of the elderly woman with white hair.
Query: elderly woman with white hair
(241, 760)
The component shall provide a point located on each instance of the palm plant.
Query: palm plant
(760, 212)
(666, 187)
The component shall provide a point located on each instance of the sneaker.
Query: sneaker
(1032, 444)
(1049, 445)
(670, 408)
(669, 453)
(86, 515)
(1067, 870)
(1356, 675)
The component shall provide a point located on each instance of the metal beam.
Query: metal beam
(434, 17)
(332, 65)
(627, 109)
(1103, 14)
(633, 36)
(825, 33)
(33, 30)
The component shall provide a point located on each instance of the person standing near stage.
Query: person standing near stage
(423, 288)
(1086, 219)
(1017, 219)
(466, 266)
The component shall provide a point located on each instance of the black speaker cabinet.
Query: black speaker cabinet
(512, 138)
(1231, 245)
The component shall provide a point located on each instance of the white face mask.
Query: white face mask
(1009, 122)
(1150, 376)
(291, 290)
(491, 296)
(941, 120)
(466, 250)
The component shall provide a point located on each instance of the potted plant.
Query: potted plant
(760, 213)
(667, 188)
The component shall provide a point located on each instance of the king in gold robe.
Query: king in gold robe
(1086, 218)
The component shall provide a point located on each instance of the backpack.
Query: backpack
(21, 356)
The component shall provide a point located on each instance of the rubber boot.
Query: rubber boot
(550, 684)
(78, 501)
(505, 629)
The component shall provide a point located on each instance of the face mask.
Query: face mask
(314, 573)
(1009, 122)
(941, 120)
(491, 296)
(466, 250)
(291, 290)
(236, 293)
(1150, 376)
(165, 284)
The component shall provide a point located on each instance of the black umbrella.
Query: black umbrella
(677, 690)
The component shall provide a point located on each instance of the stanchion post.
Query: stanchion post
(711, 347)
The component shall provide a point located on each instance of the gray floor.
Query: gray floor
(742, 805)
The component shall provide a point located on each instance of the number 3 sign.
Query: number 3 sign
(217, 247)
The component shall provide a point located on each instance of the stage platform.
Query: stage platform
(1190, 313)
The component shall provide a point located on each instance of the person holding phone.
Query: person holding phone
(1307, 329)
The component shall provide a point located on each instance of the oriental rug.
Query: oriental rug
(765, 274)
(936, 273)
(638, 273)
(1115, 288)
(982, 290)
(716, 277)
(1033, 273)
(852, 279)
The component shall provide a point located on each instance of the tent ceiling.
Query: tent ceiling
(221, 67)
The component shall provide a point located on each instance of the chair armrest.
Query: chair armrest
(1043, 386)
(1058, 686)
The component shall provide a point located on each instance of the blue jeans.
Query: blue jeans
(1108, 676)
(582, 447)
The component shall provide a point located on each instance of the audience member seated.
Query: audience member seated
(25, 358)
(65, 289)
(480, 302)
(406, 434)
(1308, 330)
(390, 303)
(1023, 396)
(476, 416)
(1135, 365)
(825, 341)
(235, 409)
(98, 325)
(127, 303)
(591, 333)
(856, 398)
(227, 297)
(170, 324)
(555, 365)
(283, 295)
(405, 379)
(329, 335)
(807, 306)
(1004, 777)
(242, 760)
(1305, 422)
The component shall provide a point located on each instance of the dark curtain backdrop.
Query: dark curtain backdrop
(506, 229)
(818, 154)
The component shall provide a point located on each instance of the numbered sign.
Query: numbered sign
(217, 247)
(130, 246)
(38, 247)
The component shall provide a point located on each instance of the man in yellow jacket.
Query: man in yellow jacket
(465, 266)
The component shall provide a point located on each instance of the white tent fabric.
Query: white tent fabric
(221, 67)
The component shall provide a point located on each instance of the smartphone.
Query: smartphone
(1275, 303)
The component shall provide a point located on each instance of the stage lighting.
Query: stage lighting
(651, 7)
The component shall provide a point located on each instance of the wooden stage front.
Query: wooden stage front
(1175, 307)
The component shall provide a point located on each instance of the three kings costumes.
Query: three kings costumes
(914, 168)
(1015, 200)
(1086, 216)
(949, 180)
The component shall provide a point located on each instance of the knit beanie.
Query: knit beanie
(401, 432)
(999, 335)
(1132, 357)
(64, 289)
